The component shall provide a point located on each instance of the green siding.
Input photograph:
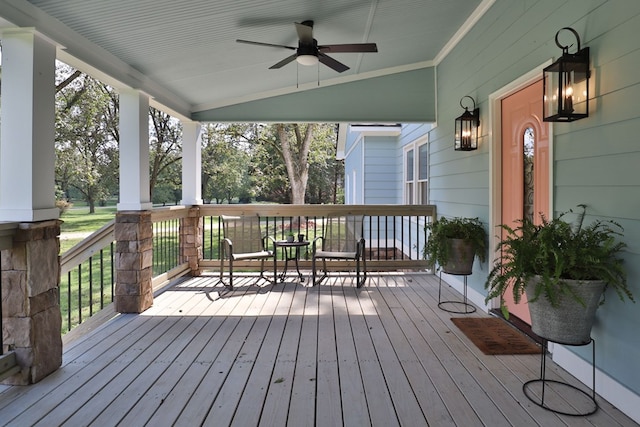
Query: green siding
(595, 159)
(401, 97)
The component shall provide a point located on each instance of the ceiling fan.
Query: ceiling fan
(309, 52)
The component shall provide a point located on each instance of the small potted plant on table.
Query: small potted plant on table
(454, 243)
(564, 270)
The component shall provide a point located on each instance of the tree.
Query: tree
(269, 171)
(295, 142)
(226, 160)
(326, 173)
(305, 154)
(87, 153)
(165, 152)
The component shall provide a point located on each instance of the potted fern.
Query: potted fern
(564, 270)
(454, 243)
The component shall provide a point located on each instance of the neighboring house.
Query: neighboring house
(387, 164)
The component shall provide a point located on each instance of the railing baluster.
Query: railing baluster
(220, 246)
(80, 294)
(101, 279)
(90, 286)
(69, 301)
(113, 270)
(402, 245)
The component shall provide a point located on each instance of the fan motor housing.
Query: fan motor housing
(308, 49)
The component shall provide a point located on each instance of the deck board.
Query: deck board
(286, 354)
(224, 406)
(404, 400)
(471, 374)
(328, 402)
(275, 409)
(302, 403)
(352, 393)
(247, 412)
(135, 377)
(381, 409)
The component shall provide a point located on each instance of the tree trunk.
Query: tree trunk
(295, 155)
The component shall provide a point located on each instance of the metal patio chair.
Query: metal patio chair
(244, 240)
(341, 240)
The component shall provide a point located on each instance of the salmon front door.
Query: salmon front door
(525, 166)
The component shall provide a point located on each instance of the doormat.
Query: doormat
(495, 336)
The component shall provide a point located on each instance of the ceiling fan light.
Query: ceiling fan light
(307, 59)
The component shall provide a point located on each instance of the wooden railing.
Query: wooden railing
(167, 262)
(87, 277)
(87, 270)
(394, 234)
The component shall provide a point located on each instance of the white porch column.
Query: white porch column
(191, 164)
(134, 151)
(27, 135)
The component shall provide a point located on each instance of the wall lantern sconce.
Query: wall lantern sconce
(467, 128)
(566, 84)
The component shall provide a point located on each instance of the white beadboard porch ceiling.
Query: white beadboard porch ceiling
(183, 52)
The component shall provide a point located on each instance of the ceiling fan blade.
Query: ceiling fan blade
(332, 63)
(284, 62)
(349, 48)
(265, 44)
(305, 31)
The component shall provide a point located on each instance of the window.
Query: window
(416, 173)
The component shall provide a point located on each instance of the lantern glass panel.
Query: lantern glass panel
(466, 132)
(566, 88)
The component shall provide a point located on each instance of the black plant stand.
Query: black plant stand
(540, 401)
(468, 308)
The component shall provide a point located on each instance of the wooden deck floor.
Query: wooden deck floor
(331, 355)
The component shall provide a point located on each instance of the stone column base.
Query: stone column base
(191, 229)
(30, 301)
(134, 252)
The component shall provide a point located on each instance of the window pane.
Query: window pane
(410, 165)
(422, 162)
(409, 195)
(423, 193)
(529, 149)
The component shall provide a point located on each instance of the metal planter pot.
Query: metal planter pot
(461, 256)
(570, 322)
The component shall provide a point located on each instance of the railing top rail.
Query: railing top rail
(169, 212)
(86, 248)
(318, 210)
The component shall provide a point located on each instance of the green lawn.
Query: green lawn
(78, 220)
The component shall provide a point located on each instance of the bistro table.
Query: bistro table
(291, 253)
